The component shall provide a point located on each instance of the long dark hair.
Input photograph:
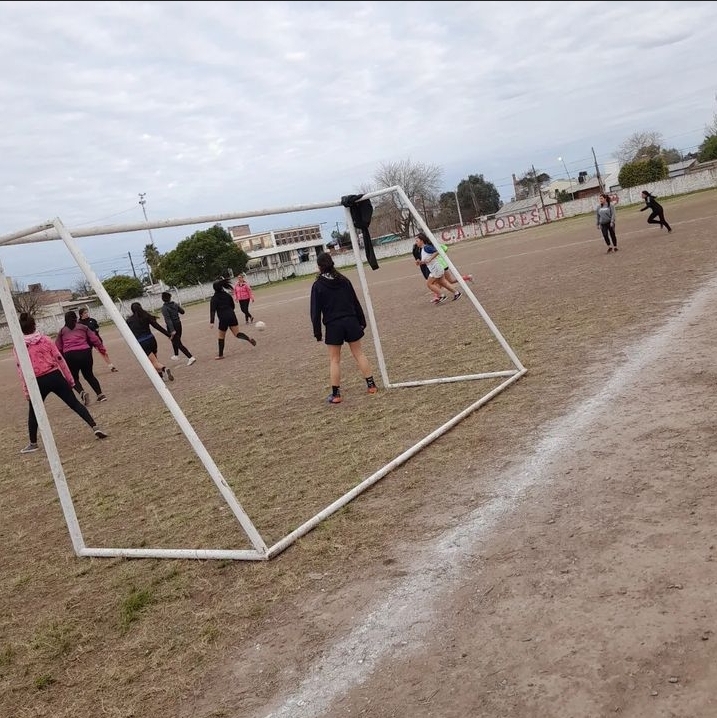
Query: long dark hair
(71, 319)
(325, 263)
(606, 198)
(27, 323)
(221, 284)
(140, 312)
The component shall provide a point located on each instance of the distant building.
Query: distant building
(278, 247)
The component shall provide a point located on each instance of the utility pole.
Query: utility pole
(597, 172)
(540, 192)
(475, 207)
(129, 254)
(142, 202)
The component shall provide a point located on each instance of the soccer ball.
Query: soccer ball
(260, 326)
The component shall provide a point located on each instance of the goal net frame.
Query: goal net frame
(260, 551)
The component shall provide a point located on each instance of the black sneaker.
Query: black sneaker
(168, 374)
(99, 433)
(29, 448)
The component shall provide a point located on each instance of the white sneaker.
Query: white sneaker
(174, 357)
(191, 361)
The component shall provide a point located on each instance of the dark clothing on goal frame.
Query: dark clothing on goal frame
(55, 383)
(657, 213)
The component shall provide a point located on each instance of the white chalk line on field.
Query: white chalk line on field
(399, 622)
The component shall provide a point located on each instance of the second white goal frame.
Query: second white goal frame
(55, 229)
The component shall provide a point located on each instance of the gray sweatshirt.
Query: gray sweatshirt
(605, 214)
(171, 312)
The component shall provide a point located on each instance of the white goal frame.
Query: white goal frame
(55, 229)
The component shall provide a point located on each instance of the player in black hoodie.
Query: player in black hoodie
(657, 214)
(334, 301)
(222, 306)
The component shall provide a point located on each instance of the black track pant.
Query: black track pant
(658, 217)
(177, 345)
(80, 362)
(55, 383)
(608, 233)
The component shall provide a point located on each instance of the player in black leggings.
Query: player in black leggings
(657, 214)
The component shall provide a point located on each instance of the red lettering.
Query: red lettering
(499, 223)
(511, 220)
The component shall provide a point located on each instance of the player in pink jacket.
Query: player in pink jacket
(75, 341)
(53, 377)
(243, 295)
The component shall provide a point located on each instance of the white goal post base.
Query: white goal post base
(55, 229)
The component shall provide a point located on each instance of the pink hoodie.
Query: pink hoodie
(243, 291)
(45, 358)
(77, 339)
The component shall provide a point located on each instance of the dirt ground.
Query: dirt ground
(551, 555)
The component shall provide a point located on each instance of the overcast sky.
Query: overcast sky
(220, 107)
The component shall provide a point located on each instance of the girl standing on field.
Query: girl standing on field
(243, 294)
(605, 217)
(334, 301)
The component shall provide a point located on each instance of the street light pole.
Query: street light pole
(142, 202)
(458, 207)
(572, 195)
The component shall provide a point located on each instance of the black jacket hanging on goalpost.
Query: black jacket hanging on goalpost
(361, 213)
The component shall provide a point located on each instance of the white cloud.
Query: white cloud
(217, 107)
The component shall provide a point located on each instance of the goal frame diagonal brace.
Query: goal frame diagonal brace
(55, 229)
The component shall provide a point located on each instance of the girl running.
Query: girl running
(141, 322)
(222, 306)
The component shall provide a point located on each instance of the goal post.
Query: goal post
(56, 230)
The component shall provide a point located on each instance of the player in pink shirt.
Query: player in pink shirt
(243, 295)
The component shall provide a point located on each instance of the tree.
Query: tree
(633, 174)
(25, 301)
(671, 155)
(420, 182)
(530, 183)
(123, 287)
(477, 197)
(708, 149)
(82, 288)
(203, 257)
(153, 258)
(640, 145)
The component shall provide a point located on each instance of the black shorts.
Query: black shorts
(149, 346)
(343, 330)
(229, 319)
